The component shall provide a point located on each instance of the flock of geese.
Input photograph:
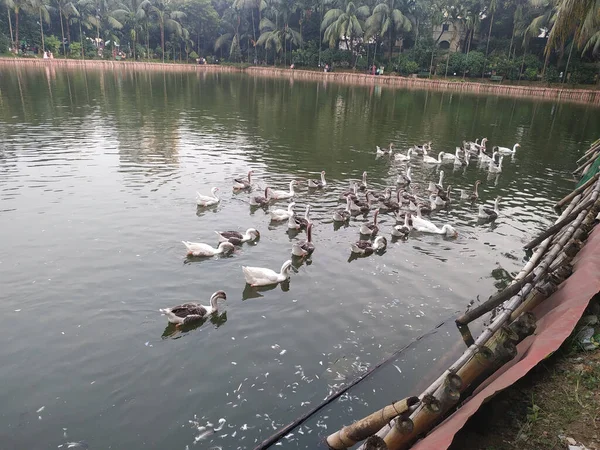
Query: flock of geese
(408, 207)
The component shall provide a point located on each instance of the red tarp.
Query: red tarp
(557, 317)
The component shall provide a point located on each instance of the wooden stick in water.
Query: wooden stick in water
(557, 226)
(594, 147)
(576, 192)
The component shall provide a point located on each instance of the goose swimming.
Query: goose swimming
(208, 200)
(190, 312)
(439, 186)
(240, 183)
(353, 192)
(278, 195)
(402, 230)
(343, 215)
(401, 157)
(431, 160)
(201, 249)
(261, 201)
(367, 248)
(381, 152)
(304, 248)
(370, 229)
(425, 226)
(259, 276)
(404, 179)
(299, 223)
(488, 213)
(496, 168)
(316, 184)
(237, 238)
(363, 184)
(508, 151)
(279, 215)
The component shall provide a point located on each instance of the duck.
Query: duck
(304, 248)
(370, 229)
(237, 238)
(279, 195)
(316, 184)
(259, 276)
(190, 312)
(299, 223)
(508, 151)
(431, 160)
(363, 185)
(381, 152)
(488, 213)
(240, 183)
(402, 230)
(404, 179)
(208, 200)
(261, 201)
(367, 248)
(496, 168)
(343, 215)
(439, 186)
(401, 157)
(425, 226)
(201, 249)
(279, 215)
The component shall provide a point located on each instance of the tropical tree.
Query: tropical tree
(230, 37)
(579, 19)
(202, 20)
(491, 9)
(66, 9)
(387, 20)
(344, 23)
(17, 6)
(134, 16)
(43, 10)
(167, 19)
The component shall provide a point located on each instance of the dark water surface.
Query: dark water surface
(98, 174)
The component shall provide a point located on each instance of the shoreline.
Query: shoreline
(586, 96)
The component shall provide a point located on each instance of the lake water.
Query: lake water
(98, 174)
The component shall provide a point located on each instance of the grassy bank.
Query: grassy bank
(551, 93)
(559, 399)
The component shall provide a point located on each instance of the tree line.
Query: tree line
(541, 36)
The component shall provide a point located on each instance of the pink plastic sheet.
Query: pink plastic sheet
(557, 317)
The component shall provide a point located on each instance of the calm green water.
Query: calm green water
(98, 174)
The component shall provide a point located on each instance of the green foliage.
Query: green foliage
(75, 50)
(531, 74)
(405, 65)
(52, 43)
(340, 58)
(583, 74)
(551, 75)
(474, 63)
(3, 43)
(193, 55)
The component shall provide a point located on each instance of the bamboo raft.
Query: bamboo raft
(590, 96)
(399, 425)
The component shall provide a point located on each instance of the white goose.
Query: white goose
(259, 276)
(437, 187)
(342, 215)
(315, 184)
(483, 157)
(496, 168)
(370, 229)
(405, 179)
(299, 223)
(508, 151)
(425, 226)
(363, 185)
(366, 248)
(237, 238)
(304, 248)
(381, 152)
(488, 213)
(431, 160)
(190, 312)
(401, 157)
(240, 183)
(208, 200)
(279, 215)
(201, 249)
(402, 230)
(278, 195)
(450, 156)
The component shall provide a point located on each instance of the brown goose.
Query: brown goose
(240, 183)
(237, 238)
(304, 248)
(261, 201)
(367, 248)
(370, 229)
(190, 312)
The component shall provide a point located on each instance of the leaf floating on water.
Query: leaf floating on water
(234, 363)
(397, 368)
(282, 352)
(41, 409)
(17, 310)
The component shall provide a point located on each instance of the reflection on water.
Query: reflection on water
(98, 173)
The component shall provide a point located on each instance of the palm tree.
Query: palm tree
(87, 17)
(133, 16)
(66, 9)
(577, 18)
(231, 22)
(344, 23)
(492, 10)
(44, 13)
(16, 6)
(251, 5)
(167, 19)
(388, 20)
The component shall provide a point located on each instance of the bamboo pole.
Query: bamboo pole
(593, 148)
(375, 443)
(494, 301)
(557, 226)
(585, 164)
(362, 429)
(576, 192)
